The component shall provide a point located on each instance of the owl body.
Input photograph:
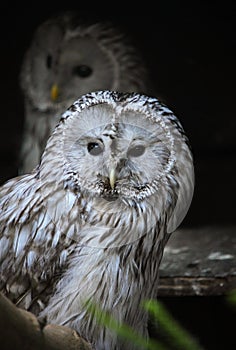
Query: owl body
(68, 57)
(90, 223)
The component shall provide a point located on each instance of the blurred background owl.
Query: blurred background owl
(70, 56)
(191, 54)
(91, 221)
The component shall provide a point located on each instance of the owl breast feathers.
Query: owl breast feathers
(91, 221)
(67, 57)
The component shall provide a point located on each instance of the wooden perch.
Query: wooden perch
(199, 261)
(20, 330)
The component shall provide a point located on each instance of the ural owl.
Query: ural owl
(70, 56)
(90, 222)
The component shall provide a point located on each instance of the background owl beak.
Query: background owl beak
(54, 92)
(112, 177)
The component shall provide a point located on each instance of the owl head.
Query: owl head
(71, 55)
(122, 147)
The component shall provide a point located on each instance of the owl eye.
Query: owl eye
(49, 61)
(136, 151)
(82, 71)
(94, 148)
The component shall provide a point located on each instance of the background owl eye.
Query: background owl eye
(136, 151)
(105, 58)
(82, 71)
(95, 148)
(49, 61)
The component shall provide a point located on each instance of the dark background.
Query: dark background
(190, 50)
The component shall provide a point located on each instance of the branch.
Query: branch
(20, 329)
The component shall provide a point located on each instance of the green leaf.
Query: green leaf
(123, 331)
(177, 335)
(231, 298)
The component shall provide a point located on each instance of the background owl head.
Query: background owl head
(71, 55)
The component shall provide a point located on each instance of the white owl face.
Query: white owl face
(118, 151)
(75, 65)
(67, 59)
(118, 156)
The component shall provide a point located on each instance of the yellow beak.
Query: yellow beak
(54, 92)
(112, 178)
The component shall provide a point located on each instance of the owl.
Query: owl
(90, 222)
(70, 56)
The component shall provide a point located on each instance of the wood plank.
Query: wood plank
(199, 261)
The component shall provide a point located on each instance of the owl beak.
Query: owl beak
(54, 92)
(112, 178)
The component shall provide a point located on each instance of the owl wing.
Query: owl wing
(185, 178)
(33, 249)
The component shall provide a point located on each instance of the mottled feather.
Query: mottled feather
(91, 221)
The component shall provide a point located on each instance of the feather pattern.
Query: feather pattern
(67, 236)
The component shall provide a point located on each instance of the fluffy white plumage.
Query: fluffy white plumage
(70, 56)
(91, 221)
